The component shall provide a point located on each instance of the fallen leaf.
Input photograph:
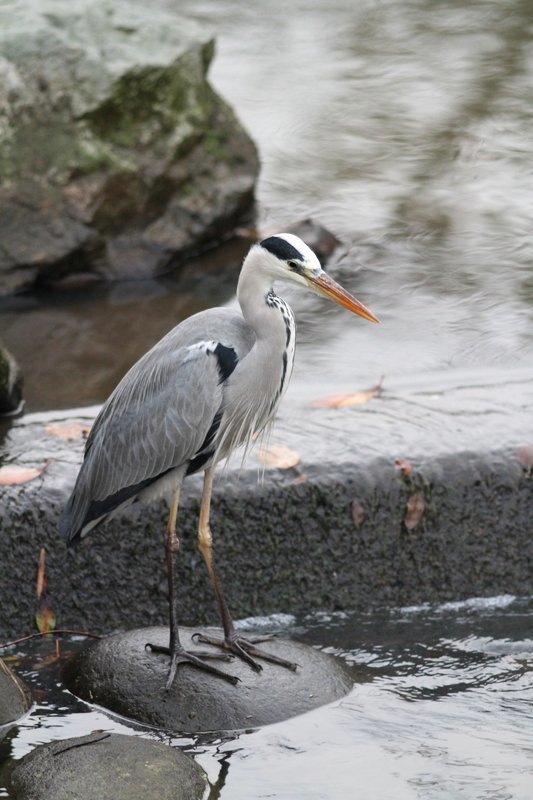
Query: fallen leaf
(13, 474)
(405, 467)
(525, 457)
(358, 513)
(68, 431)
(45, 661)
(40, 584)
(302, 478)
(277, 455)
(45, 617)
(414, 510)
(350, 399)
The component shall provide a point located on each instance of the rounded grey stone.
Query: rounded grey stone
(107, 767)
(120, 674)
(15, 697)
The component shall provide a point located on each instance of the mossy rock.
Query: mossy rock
(105, 114)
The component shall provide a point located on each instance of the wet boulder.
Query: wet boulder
(10, 383)
(117, 158)
(15, 697)
(108, 767)
(120, 674)
(321, 240)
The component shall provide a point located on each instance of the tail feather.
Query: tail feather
(68, 529)
(81, 514)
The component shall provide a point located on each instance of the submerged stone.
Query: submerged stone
(107, 767)
(15, 697)
(120, 674)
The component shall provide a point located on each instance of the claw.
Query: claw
(246, 649)
(182, 656)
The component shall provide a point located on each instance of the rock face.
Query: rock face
(120, 674)
(116, 156)
(107, 767)
(15, 697)
(10, 383)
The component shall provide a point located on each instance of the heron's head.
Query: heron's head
(288, 258)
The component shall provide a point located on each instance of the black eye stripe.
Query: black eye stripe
(281, 249)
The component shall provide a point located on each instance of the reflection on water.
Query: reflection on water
(75, 346)
(402, 125)
(443, 712)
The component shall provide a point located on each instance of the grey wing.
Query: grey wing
(158, 419)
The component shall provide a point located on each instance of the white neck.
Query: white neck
(253, 286)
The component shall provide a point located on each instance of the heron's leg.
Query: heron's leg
(177, 652)
(245, 648)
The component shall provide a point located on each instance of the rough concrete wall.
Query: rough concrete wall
(282, 546)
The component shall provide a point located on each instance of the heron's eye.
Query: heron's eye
(294, 265)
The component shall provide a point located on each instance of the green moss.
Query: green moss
(215, 144)
(146, 105)
(94, 155)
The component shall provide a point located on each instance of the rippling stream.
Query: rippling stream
(443, 709)
(404, 126)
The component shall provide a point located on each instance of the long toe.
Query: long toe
(246, 649)
(208, 654)
(182, 656)
(185, 657)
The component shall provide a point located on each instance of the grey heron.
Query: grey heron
(206, 388)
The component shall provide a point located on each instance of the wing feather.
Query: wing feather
(158, 416)
(145, 431)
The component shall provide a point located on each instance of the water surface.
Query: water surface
(404, 126)
(444, 710)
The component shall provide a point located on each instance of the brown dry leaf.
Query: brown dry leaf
(525, 457)
(68, 431)
(350, 399)
(13, 474)
(277, 455)
(40, 584)
(300, 479)
(45, 661)
(405, 467)
(45, 617)
(414, 510)
(358, 513)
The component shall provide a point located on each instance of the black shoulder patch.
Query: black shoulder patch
(281, 248)
(227, 360)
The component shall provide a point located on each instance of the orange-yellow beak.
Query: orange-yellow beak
(326, 286)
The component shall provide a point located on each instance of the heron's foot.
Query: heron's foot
(181, 656)
(246, 649)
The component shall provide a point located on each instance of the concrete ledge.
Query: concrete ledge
(334, 533)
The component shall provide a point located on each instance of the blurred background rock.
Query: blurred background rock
(117, 159)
